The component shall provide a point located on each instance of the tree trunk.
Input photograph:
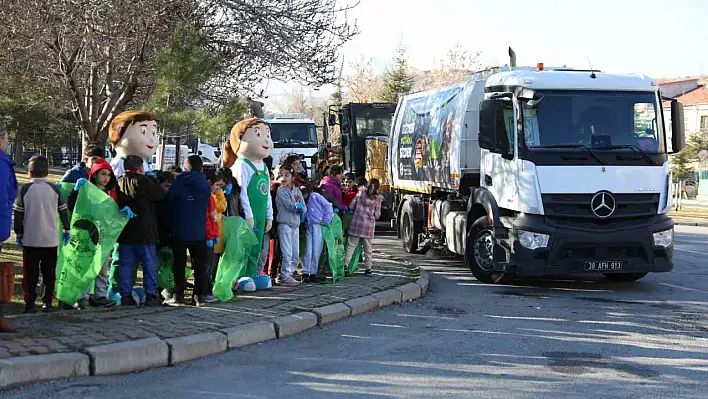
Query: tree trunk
(98, 140)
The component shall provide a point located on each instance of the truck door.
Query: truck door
(499, 169)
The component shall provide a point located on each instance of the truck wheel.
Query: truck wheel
(479, 253)
(410, 230)
(624, 276)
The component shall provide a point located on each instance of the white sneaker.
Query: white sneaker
(289, 282)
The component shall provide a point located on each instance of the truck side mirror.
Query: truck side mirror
(678, 138)
(492, 130)
(332, 120)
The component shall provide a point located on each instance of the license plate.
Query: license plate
(603, 265)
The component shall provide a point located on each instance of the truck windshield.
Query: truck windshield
(613, 121)
(293, 134)
(373, 122)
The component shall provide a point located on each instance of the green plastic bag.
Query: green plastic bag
(354, 262)
(238, 238)
(333, 238)
(165, 269)
(95, 227)
(65, 190)
(165, 273)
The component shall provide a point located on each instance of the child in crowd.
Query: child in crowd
(299, 176)
(268, 258)
(165, 178)
(188, 200)
(101, 175)
(81, 171)
(350, 189)
(35, 211)
(174, 170)
(332, 187)
(367, 208)
(319, 212)
(231, 193)
(221, 205)
(291, 205)
(213, 221)
(140, 236)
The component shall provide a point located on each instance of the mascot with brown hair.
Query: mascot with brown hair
(130, 133)
(245, 151)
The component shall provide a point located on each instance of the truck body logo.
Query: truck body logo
(603, 204)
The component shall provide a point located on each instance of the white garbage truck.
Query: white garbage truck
(535, 171)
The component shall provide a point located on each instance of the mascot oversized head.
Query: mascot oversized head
(132, 133)
(248, 145)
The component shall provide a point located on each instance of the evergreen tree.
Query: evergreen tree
(397, 80)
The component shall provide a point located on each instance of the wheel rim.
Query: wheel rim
(407, 233)
(483, 250)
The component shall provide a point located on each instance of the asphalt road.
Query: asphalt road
(534, 339)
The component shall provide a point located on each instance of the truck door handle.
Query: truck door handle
(487, 180)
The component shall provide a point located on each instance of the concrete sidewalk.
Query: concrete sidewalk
(120, 340)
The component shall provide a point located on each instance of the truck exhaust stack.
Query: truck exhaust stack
(512, 58)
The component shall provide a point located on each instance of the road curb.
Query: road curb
(251, 333)
(409, 292)
(129, 356)
(139, 355)
(30, 369)
(294, 323)
(196, 346)
(330, 313)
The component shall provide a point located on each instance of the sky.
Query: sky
(661, 39)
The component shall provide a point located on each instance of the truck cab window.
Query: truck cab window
(505, 130)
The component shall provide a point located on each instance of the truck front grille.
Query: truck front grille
(578, 207)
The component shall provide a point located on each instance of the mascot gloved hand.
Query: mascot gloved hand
(248, 146)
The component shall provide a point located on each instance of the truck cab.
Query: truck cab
(293, 134)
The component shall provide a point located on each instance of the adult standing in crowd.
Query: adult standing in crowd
(82, 169)
(8, 192)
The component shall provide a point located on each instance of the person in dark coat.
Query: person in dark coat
(82, 169)
(140, 236)
(8, 192)
(188, 200)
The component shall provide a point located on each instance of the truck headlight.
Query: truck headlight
(531, 240)
(664, 238)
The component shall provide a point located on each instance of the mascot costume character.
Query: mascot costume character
(248, 145)
(130, 133)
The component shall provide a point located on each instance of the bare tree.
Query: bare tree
(293, 40)
(98, 55)
(362, 84)
(452, 69)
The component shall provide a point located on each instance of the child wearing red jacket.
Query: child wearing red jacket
(102, 176)
(212, 230)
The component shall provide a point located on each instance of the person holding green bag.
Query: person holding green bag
(102, 176)
(367, 208)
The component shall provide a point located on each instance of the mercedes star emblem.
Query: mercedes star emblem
(603, 204)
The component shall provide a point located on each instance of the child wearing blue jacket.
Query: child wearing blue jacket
(319, 213)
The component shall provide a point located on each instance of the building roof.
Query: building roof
(697, 96)
(675, 80)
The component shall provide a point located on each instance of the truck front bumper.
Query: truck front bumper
(571, 249)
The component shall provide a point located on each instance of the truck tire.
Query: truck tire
(479, 253)
(410, 230)
(624, 276)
